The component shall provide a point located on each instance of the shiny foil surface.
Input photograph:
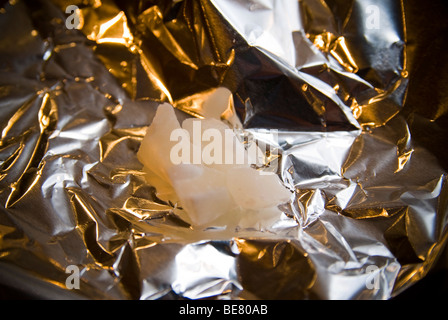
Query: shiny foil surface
(79, 88)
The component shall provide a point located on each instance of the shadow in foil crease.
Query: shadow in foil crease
(290, 272)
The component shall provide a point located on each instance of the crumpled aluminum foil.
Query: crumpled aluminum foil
(78, 89)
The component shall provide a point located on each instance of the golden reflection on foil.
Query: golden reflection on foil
(337, 47)
(154, 22)
(323, 41)
(97, 4)
(342, 54)
(356, 109)
(403, 160)
(115, 30)
(44, 120)
(155, 79)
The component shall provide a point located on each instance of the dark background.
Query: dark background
(427, 109)
(427, 48)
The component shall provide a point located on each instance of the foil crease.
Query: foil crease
(369, 205)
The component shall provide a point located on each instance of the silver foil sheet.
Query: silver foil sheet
(78, 89)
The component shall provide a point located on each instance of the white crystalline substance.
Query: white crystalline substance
(206, 191)
(154, 152)
(232, 152)
(255, 191)
(202, 192)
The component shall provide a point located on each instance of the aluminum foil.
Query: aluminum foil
(80, 82)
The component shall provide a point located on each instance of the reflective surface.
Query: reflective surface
(369, 214)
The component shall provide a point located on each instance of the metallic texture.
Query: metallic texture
(369, 215)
